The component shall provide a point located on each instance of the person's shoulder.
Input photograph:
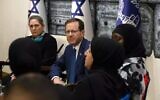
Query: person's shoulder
(28, 37)
(85, 44)
(49, 36)
(86, 40)
(69, 46)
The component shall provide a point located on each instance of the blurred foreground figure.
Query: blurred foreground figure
(24, 56)
(103, 60)
(33, 86)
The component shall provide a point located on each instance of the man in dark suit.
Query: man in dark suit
(73, 58)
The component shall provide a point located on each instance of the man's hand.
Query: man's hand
(58, 80)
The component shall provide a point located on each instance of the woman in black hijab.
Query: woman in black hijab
(133, 70)
(132, 40)
(103, 59)
(24, 56)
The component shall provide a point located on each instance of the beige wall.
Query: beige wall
(13, 24)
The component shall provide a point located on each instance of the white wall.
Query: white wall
(13, 24)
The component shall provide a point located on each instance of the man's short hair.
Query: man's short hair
(81, 23)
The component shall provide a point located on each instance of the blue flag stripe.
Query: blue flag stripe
(34, 8)
(78, 11)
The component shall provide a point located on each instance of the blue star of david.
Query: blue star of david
(34, 8)
(78, 11)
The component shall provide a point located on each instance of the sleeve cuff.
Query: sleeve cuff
(55, 77)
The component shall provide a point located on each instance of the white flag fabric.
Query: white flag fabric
(80, 9)
(37, 7)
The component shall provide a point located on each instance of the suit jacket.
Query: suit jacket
(65, 63)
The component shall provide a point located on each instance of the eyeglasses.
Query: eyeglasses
(71, 31)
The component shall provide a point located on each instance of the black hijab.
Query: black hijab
(107, 54)
(132, 40)
(104, 82)
(24, 56)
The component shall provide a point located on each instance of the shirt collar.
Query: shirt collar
(77, 46)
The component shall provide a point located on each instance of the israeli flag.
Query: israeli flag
(81, 9)
(37, 7)
(128, 12)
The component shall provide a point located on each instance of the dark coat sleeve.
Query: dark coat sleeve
(82, 91)
(49, 50)
(96, 87)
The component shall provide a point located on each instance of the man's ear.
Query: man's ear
(83, 32)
